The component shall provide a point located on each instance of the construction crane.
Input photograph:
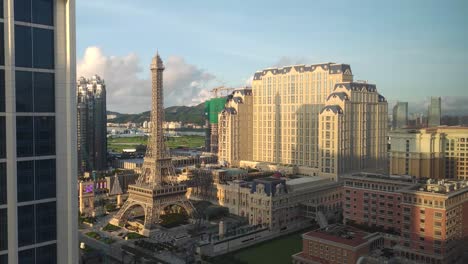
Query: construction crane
(218, 89)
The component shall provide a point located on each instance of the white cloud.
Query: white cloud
(128, 92)
(248, 81)
(288, 61)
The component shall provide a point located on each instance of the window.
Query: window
(37, 223)
(3, 183)
(25, 180)
(3, 230)
(24, 136)
(43, 48)
(2, 83)
(41, 85)
(23, 46)
(26, 226)
(42, 12)
(4, 258)
(24, 91)
(23, 10)
(46, 254)
(46, 215)
(2, 138)
(44, 92)
(34, 47)
(40, 140)
(26, 256)
(2, 40)
(44, 135)
(35, 11)
(45, 179)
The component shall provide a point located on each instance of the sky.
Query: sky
(410, 49)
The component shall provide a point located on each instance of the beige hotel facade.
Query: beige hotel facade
(438, 152)
(291, 113)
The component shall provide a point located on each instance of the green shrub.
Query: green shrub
(134, 236)
(111, 228)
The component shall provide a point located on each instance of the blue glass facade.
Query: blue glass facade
(34, 90)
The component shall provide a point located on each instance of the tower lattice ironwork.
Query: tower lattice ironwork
(156, 188)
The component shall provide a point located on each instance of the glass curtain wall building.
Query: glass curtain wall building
(38, 216)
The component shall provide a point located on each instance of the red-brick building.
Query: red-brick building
(435, 222)
(336, 244)
(431, 217)
(374, 200)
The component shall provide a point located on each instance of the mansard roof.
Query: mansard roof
(342, 95)
(230, 110)
(332, 68)
(357, 86)
(334, 108)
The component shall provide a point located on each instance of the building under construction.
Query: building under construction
(212, 108)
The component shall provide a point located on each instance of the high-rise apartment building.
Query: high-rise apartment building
(286, 108)
(38, 196)
(92, 124)
(438, 153)
(353, 130)
(434, 112)
(235, 128)
(400, 115)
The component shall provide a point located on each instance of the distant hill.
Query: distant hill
(185, 114)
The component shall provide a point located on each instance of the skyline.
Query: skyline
(197, 41)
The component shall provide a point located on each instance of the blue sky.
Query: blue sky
(410, 49)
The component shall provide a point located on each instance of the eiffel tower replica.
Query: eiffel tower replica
(156, 189)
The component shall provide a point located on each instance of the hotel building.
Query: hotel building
(293, 109)
(235, 128)
(438, 152)
(286, 107)
(38, 169)
(352, 130)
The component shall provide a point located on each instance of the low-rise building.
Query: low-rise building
(438, 152)
(280, 203)
(372, 200)
(336, 244)
(431, 216)
(435, 221)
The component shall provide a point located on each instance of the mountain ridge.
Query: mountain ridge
(185, 114)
